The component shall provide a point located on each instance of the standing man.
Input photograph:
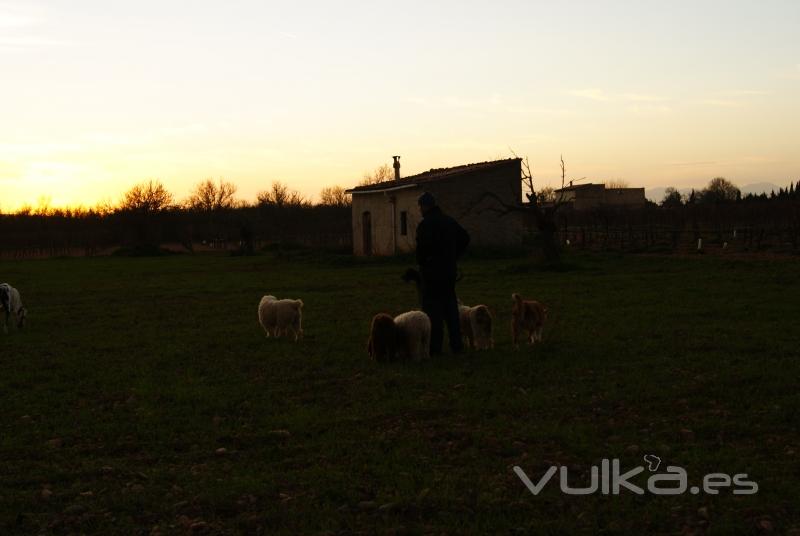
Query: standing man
(440, 243)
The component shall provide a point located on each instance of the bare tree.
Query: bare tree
(296, 199)
(280, 195)
(334, 196)
(276, 195)
(147, 197)
(43, 208)
(541, 212)
(209, 196)
(139, 207)
(103, 208)
(381, 174)
(547, 194)
(618, 183)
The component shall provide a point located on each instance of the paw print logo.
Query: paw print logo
(652, 462)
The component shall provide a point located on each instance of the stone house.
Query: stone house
(588, 196)
(385, 215)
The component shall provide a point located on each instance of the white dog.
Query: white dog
(281, 316)
(476, 326)
(413, 330)
(11, 304)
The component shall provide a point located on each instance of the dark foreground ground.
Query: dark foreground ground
(144, 398)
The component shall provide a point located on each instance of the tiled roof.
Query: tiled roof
(579, 187)
(432, 175)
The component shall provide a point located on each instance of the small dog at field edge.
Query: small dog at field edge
(527, 315)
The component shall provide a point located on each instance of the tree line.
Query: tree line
(211, 216)
(721, 190)
(148, 215)
(206, 196)
(715, 218)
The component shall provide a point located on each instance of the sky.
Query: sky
(96, 96)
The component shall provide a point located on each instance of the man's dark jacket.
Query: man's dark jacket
(440, 242)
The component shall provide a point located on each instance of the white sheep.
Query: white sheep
(413, 330)
(281, 316)
(11, 304)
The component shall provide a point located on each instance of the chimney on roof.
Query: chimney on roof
(396, 166)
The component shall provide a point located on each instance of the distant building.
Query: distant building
(385, 215)
(587, 196)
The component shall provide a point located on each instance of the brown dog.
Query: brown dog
(527, 315)
(382, 343)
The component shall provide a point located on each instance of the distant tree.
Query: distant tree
(618, 183)
(381, 174)
(276, 195)
(208, 196)
(720, 190)
(279, 195)
(672, 197)
(43, 208)
(692, 198)
(140, 207)
(546, 195)
(147, 197)
(103, 208)
(334, 196)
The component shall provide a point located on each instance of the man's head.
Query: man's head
(426, 202)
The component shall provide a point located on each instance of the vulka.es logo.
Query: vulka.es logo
(608, 480)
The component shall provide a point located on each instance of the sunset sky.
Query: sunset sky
(98, 95)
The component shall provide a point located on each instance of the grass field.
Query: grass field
(144, 398)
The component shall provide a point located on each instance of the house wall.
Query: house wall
(459, 196)
(462, 197)
(406, 201)
(624, 197)
(596, 195)
(380, 210)
(588, 197)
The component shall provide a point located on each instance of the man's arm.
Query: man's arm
(423, 244)
(462, 240)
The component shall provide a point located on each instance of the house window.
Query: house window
(404, 223)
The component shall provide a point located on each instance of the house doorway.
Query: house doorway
(366, 228)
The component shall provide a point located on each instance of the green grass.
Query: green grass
(132, 373)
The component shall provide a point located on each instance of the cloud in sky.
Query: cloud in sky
(26, 42)
(638, 97)
(790, 73)
(594, 94)
(692, 164)
(747, 92)
(22, 27)
(724, 103)
(597, 94)
(17, 16)
(734, 98)
(495, 103)
(647, 108)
